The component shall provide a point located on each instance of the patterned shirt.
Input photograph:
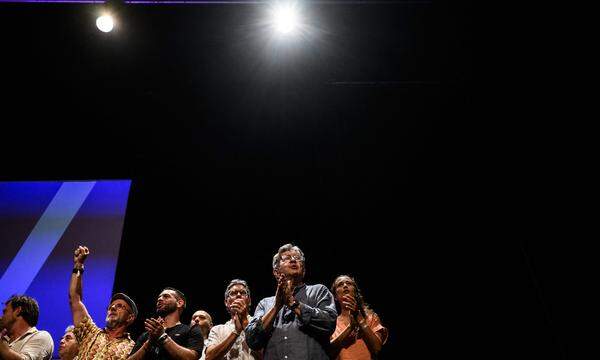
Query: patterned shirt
(95, 344)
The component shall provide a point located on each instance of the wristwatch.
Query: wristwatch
(162, 338)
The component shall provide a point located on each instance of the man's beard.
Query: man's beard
(112, 323)
(166, 310)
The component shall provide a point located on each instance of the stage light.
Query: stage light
(105, 23)
(285, 18)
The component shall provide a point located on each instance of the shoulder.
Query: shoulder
(218, 328)
(318, 289)
(181, 328)
(85, 323)
(267, 302)
(194, 330)
(43, 335)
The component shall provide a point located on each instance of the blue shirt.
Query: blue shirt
(292, 337)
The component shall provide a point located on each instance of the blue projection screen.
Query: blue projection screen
(41, 224)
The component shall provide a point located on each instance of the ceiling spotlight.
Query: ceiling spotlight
(286, 17)
(105, 23)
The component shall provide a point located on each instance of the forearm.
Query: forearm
(78, 310)
(269, 318)
(179, 352)
(7, 353)
(141, 352)
(216, 352)
(75, 288)
(336, 342)
(321, 321)
(371, 339)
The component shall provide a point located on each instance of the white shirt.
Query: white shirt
(239, 349)
(33, 345)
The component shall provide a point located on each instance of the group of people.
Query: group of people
(300, 321)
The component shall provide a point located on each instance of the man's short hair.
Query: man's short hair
(284, 248)
(178, 294)
(30, 310)
(70, 328)
(234, 282)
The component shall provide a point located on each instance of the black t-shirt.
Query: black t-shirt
(182, 334)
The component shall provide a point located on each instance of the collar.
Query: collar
(32, 330)
(124, 336)
(298, 288)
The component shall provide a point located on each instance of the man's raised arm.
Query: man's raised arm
(75, 292)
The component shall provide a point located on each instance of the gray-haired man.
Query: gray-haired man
(298, 321)
(228, 341)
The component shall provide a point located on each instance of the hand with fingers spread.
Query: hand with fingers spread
(81, 253)
(155, 329)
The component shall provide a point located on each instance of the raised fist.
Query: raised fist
(80, 255)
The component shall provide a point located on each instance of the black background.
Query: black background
(355, 143)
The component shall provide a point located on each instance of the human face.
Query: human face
(118, 313)
(344, 286)
(9, 316)
(201, 318)
(167, 303)
(237, 291)
(291, 264)
(69, 347)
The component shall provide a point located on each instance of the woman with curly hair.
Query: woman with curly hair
(359, 334)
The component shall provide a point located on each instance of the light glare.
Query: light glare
(105, 23)
(285, 18)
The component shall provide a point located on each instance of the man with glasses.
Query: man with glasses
(166, 337)
(112, 342)
(298, 321)
(228, 341)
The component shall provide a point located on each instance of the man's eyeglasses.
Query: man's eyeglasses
(292, 257)
(242, 293)
(118, 307)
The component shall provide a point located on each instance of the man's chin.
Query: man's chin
(111, 323)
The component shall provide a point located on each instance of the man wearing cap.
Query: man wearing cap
(166, 337)
(112, 342)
